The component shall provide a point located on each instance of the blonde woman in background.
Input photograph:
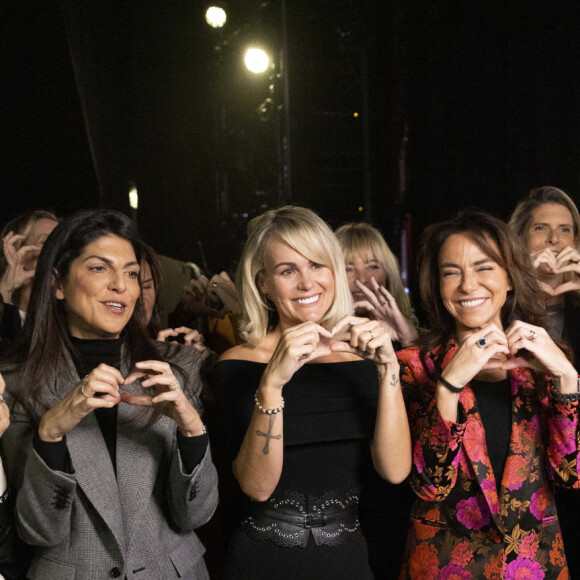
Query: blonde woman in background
(375, 282)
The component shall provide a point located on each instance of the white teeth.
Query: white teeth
(308, 300)
(472, 303)
(114, 304)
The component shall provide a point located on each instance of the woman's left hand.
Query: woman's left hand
(4, 413)
(366, 338)
(167, 392)
(545, 356)
(382, 306)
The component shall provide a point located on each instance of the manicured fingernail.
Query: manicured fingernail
(332, 332)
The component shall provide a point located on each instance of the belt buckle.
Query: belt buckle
(314, 520)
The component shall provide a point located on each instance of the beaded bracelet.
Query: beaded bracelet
(449, 386)
(267, 411)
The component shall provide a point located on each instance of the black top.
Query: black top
(493, 401)
(329, 417)
(87, 355)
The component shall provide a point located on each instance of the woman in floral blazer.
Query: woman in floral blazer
(493, 413)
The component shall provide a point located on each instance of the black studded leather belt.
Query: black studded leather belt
(288, 518)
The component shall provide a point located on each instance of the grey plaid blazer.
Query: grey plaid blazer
(91, 524)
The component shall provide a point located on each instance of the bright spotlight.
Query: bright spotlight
(215, 16)
(257, 61)
(133, 198)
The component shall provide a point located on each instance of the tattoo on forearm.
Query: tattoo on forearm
(268, 435)
(394, 380)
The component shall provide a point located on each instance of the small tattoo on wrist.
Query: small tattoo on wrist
(394, 380)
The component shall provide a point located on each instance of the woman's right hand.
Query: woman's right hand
(470, 358)
(546, 258)
(382, 306)
(16, 274)
(223, 288)
(4, 413)
(99, 389)
(297, 345)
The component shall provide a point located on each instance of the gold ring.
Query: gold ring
(85, 383)
(176, 387)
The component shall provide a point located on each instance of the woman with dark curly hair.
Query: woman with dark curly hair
(493, 409)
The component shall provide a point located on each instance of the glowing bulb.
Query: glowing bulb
(355, 114)
(360, 208)
(256, 60)
(133, 198)
(215, 16)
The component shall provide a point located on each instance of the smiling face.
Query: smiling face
(551, 226)
(101, 289)
(300, 289)
(362, 270)
(473, 287)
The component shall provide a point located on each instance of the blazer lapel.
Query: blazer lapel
(95, 475)
(91, 461)
(475, 447)
(516, 472)
(140, 454)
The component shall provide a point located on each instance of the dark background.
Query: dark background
(464, 103)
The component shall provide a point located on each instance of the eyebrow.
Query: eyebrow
(351, 262)
(285, 264)
(110, 262)
(478, 263)
(547, 224)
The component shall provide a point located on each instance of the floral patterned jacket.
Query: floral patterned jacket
(463, 525)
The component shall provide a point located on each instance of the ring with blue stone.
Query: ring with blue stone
(482, 342)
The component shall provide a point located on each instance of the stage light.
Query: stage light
(134, 198)
(256, 60)
(215, 16)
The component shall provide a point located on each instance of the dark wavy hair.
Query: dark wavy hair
(496, 240)
(149, 255)
(45, 338)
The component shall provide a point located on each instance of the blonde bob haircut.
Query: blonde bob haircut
(308, 235)
(366, 242)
